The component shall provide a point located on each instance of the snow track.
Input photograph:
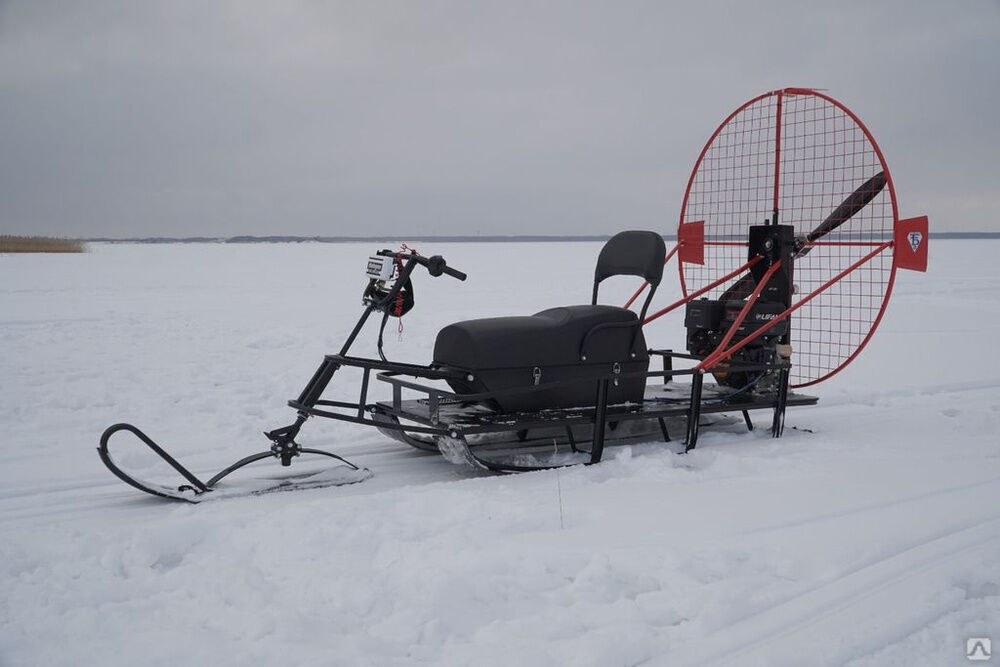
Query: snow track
(872, 538)
(883, 596)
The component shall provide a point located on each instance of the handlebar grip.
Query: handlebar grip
(436, 266)
(455, 273)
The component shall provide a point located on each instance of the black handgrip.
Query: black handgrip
(436, 266)
(455, 273)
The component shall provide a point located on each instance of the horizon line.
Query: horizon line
(441, 238)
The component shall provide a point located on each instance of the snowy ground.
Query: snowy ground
(874, 539)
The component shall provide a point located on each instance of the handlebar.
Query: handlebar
(435, 265)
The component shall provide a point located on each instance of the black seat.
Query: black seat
(552, 337)
(560, 344)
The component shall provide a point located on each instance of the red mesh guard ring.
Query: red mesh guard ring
(823, 153)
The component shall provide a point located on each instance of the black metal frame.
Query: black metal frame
(428, 419)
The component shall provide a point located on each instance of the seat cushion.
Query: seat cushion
(551, 337)
(513, 354)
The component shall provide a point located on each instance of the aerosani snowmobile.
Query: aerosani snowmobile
(787, 248)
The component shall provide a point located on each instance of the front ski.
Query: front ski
(196, 491)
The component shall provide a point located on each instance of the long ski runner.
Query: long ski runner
(197, 491)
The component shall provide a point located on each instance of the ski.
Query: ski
(196, 491)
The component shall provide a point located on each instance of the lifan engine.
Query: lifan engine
(707, 322)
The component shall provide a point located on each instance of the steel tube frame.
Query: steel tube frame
(597, 415)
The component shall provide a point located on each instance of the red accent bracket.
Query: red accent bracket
(691, 240)
(910, 239)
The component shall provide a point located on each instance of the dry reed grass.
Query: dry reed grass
(39, 244)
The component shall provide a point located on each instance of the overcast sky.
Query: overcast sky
(185, 118)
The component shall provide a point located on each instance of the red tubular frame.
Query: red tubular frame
(719, 352)
(717, 356)
(644, 285)
(777, 156)
(694, 295)
(870, 244)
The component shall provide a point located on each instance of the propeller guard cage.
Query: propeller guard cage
(789, 157)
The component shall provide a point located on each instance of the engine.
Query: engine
(707, 322)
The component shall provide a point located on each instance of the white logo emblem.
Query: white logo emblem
(978, 648)
(914, 238)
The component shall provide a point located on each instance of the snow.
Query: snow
(868, 535)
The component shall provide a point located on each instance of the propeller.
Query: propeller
(854, 202)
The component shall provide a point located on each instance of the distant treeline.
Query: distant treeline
(39, 244)
(436, 239)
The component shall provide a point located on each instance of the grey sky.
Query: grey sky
(219, 118)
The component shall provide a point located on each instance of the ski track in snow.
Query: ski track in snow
(874, 539)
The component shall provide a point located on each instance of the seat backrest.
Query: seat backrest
(634, 253)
